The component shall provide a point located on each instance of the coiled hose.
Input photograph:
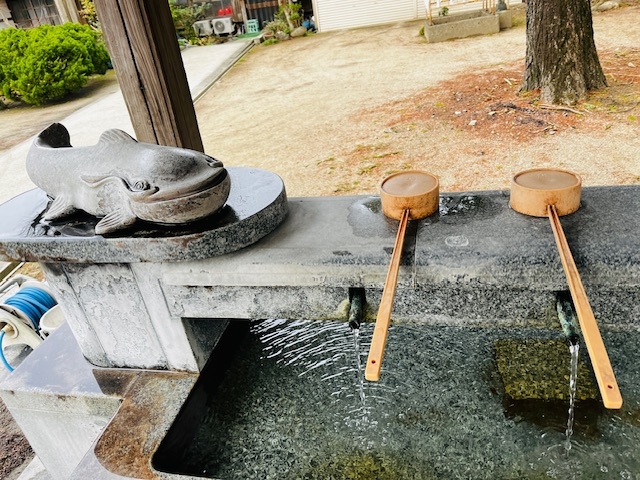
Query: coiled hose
(33, 302)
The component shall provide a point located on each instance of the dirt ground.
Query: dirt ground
(334, 113)
(14, 448)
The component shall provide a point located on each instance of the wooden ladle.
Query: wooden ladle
(553, 193)
(405, 196)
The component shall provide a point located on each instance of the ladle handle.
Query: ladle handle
(607, 384)
(379, 340)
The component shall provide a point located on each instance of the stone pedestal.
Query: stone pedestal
(110, 287)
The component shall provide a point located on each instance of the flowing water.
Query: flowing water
(574, 350)
(293, 404)
(358, 361)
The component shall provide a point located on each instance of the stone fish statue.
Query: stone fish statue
(122, 180)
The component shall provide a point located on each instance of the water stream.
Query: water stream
(574, 349)
(294, 405)
(359, 369)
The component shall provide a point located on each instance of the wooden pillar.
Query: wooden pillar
(144, 50)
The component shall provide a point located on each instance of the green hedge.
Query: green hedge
(48, 62)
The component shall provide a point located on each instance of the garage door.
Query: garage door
(339, 14)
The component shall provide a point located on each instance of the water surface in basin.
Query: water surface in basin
(293, 404)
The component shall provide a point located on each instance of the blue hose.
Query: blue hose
(2, 357)
(34, 303)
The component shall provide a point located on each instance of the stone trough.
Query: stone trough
(144, 312)
(466, 24)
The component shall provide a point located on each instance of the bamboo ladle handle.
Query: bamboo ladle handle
(605, 377)
(379, 340)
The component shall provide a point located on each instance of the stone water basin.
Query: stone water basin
(291, 402)
(478, 285)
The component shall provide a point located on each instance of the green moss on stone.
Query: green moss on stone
(539, 369)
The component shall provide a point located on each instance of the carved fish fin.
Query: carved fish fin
(98, 180)
(60, 207)
(115, 220)
(55, 135)
(94, 180)
(116, 136)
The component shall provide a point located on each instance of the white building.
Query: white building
(339, 14)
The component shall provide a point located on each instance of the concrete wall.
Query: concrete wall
(461, 25)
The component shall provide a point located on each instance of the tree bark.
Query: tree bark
(561, 58)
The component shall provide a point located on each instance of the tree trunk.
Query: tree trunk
(561, 60)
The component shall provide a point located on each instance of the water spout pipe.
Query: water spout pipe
(356, 309)
(567, 317)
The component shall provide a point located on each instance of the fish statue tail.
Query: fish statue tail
(55, 135)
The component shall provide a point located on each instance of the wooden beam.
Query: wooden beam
(144, 50)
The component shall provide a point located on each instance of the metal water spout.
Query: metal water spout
(356, 309)
(567, 317)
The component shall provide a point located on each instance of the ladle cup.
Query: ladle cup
(553, 193)
(405, 196)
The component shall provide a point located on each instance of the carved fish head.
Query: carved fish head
(163, 184)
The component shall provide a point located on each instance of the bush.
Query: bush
(47, 63)
(286, 19)
(11, 44)
(277, 25)
(184, 16)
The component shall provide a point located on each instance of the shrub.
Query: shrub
(88, 12)
(11, 44)
(286, 19)
(92, 41)
(277, 25)
(47, 63)
(184, 16)
(289, 12)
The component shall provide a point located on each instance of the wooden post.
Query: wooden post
(144, 50)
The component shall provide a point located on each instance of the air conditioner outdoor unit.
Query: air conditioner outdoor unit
(222, 25)
(203, 28)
